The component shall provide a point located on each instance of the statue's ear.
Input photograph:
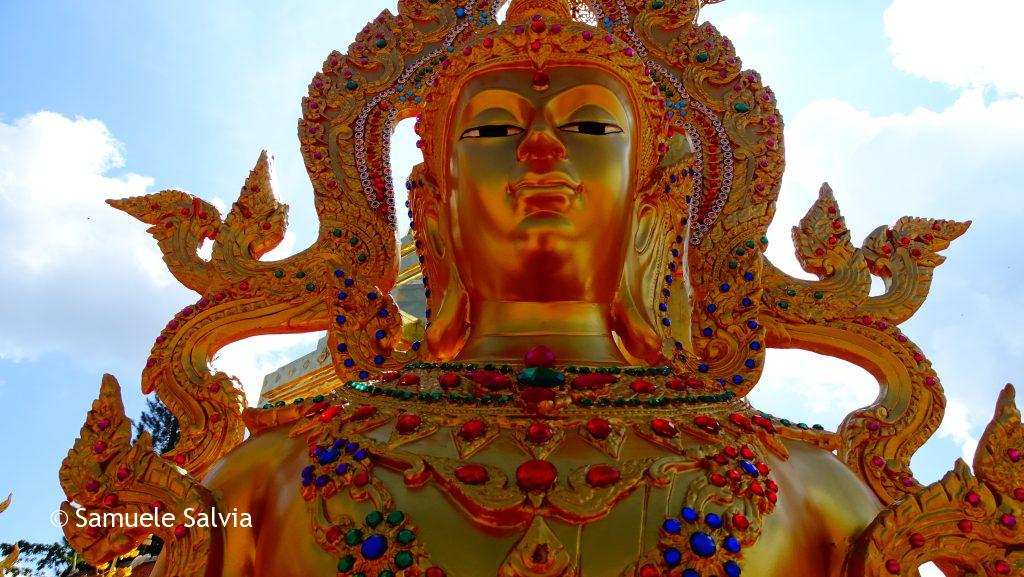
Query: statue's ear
(447, 302)
(634, 310)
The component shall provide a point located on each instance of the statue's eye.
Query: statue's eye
(492, 131)
(594, 128)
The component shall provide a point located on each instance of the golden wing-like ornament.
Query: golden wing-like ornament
(105, 474)
(837, 316)
(966, 524)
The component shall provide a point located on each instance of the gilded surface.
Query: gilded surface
(590, 219)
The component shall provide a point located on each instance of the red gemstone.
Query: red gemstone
(92, 485)
(361, 479)
(99, 447)
(740, 522)
(333, 534)
(534, 395)
(110, 500)
(973, 498)
(741, 421)
(916, 540)
(664, 427)
(408, 423)
(756, 488)
(772, 497)
(539, 356)
(389, 375)
(364, 412)
(180, 531)
(1013, 454)
(449, 380)
(316, 408)
(599, 428)
(731, 452)
(1001, 567)
(592, 381)
(707, 423)
(718, 480)
(721, 459)
(733, 475)
(1018, 493)
(471, 474)
(642, 387)
(122, 473)
(650, 570)
(539, 433)
(471, 430)
(965, 525)
(601, 476)
(1008, 520)
(409, 380)
(538, 26)
(536, 475)
(763, 469)
(180, 460)
(329, 413)
(892, 566)
(157, 505)
(435, 572)
(677, 385)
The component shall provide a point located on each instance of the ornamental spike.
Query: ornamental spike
(525, 9)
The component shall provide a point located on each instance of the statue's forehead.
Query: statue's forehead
(574, 86)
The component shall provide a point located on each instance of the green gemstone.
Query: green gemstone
(733, 265)
(310, 287)
(353, 241)
(764, 240)
(374, 518)
(702, 57)
(740, 252)
(586, 402)
(504, 369)
(818, 294)
(353, 537)
(386, 573)
(741, 107)
(540, 377)
(790, 292)
(278, 273)
(318, 398)
(336, 232)
(346, 563)
(381, 43)
(783, 305)
(279, 404)
(403, 559)
(749, 243)
(406, 536)
(351, 85)
(471, 367)
(657, 4)
(362, 257)
(268, 406)
(504, 399)
(298, 400)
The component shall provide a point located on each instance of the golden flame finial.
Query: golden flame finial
(525, 9)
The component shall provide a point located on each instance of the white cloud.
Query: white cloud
(976, 44)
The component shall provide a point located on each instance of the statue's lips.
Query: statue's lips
(546, 200)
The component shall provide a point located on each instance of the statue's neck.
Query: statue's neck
(578, 332)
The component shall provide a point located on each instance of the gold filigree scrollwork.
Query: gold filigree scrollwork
(966, 524)
(105, 475)
(838, 317)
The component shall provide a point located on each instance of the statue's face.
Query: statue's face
(540, 185)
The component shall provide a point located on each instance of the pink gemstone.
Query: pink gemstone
(629, 52)
(92, 486)
(539, 356)
(877, 461)
(587, 35)
(99, 447)
(1013, 454)
(873, 426)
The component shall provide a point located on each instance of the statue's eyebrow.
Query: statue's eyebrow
(494, 104)
(589, 99)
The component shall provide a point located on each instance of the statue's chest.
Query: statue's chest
(627, 493)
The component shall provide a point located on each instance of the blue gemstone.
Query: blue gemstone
(342, 295)
(351, 447)
(702, 368)
(702, 544)
(359, 455)
(755, 346)
(752, 324)
(690, 573)
(383, 313)
(318, 451)
(372, 296)
(340, 319)
(377, 360)
(329, 456)
(363, 375)
(671, 526)
(689, 515)
(459, 13)
(322, 480)
(307, 481)
(748, 276)
(749, 363)
(341, 469)
(662, 307)
(737, 379)
(725, 287)
(668, 279)
(349, 363)
(747, 302)
(749, 468)
(731, 544)
(731, 569)
(374, 547)
(339, 273)
(349, 282)
(672, 556)
(307, 471)
(712, 308)
(713, 520)
(416, 346)
(666, 321)
(342, 348)
(707, 332)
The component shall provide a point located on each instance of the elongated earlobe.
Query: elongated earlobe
(447, 301)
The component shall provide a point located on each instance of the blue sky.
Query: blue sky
(886, 99)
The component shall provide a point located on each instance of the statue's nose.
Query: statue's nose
(541, 150)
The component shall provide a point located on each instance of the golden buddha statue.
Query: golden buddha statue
(589, 219)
